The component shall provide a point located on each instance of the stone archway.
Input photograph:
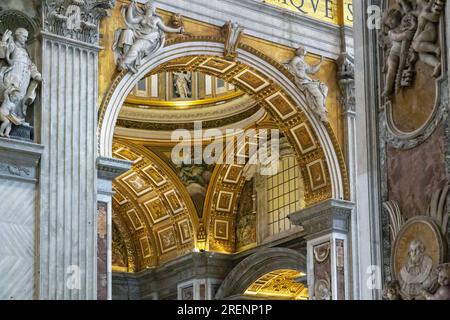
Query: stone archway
(257, 265)
(333, 163)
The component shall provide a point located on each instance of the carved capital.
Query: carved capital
(75, 19)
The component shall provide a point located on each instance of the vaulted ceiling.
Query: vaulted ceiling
(163, 210)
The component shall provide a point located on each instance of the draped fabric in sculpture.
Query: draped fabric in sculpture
(20, 79)
(143, 36)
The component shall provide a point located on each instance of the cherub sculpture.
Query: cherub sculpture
(443, 293)
(425, 39)
(411, 33)
(6, 109)
(400, 31)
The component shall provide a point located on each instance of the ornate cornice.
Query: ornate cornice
(19, 160)
(110, 168)
(323, 218)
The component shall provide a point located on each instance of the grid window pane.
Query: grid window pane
(283, 195)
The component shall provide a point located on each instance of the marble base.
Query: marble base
(24, 133)
(18, 183)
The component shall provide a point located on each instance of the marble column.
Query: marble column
(68, 128)
(19, 177)
(326, 226)
(108, 170)
(367, 253)
(346, 81)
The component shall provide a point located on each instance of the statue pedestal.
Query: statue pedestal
(19, 162)
(24, 133)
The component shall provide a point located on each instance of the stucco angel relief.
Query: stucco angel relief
(411, 30)
(19, 80)
(143, 36)
(413, 44)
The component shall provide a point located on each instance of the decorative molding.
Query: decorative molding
(110, 168)
(176, 115)
(322, 37)
(19, 160)
(401, 140)
(169, 126)
(324, 218)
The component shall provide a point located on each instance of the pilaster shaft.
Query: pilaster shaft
(326, 225)
(68, 173)
(108, 170)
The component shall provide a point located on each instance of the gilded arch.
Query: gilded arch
(276, 85)
(152, 210)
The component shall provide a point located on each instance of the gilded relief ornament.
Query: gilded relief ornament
(419, 247)
(143, 36)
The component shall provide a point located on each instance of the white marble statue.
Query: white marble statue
(417, 272)
(7, 107)
(19, 76)
(316, 92)
(182, 82)
(143, 36)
